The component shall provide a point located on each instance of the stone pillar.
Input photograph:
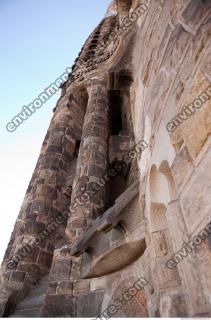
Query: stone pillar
(68, 293)
(44, 202)
(89, 196)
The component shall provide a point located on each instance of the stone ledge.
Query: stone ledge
(118, 255)
(107, 221)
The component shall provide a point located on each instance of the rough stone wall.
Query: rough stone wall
(140, 67)
(174, 70)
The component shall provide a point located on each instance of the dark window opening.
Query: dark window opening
(118, 181)
(90, 53)
(93, 46)
(111, 80)
(125, 77)
(121, 226)
(9, 310)
(115, 112)
(89, 250)
(77, 147)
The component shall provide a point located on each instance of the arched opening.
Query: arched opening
(161, 189)
(165, 170)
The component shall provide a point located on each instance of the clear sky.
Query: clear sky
(38, 40)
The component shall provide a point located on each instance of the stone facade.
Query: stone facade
(123, 177)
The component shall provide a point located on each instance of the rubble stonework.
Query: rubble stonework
(135, 73)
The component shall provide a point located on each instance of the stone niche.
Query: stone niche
(114, 240)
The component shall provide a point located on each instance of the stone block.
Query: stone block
(32, 273)
(195, 13)
(166, 277)
(52, 288)
(195, 198)
(33, 228)
(54, 149)
(39, 206)
(172, 304)
(176, 48)
(158, 214)
(56, 138)
(6, 276)
(59, 306)
(60, 270)
(182, 168)
(62, 253)
(79, 223)
(81, 285)
(98, 283)
(65, 287)
(160, 243)
(53, 164)
(76, 267)
(89, 305)
(17, 276)
(31, 256)
(95, 171)
(49, 247)
(44, 259)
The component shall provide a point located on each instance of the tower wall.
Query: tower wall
(134, 112)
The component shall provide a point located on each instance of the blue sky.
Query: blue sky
(39, 39)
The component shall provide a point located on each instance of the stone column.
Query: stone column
(89, 188)
(67, 292)
(44, 202)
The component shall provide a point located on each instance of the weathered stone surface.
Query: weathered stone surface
(59, 306)
(172, 304)
(89, 305)
(81, 286)
(18, 276)
(44, 259)
(182, 168)
(65, 287)
(60, 270)
(136, 76)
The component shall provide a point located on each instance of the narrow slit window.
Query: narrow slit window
(115, 112)
(77, 147)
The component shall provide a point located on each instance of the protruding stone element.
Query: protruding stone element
(92, 163)
(107, 221)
